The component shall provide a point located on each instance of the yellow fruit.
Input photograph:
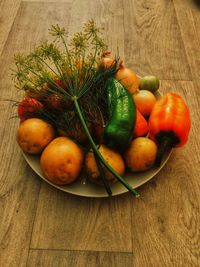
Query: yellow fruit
(33, 135)
(141, 154)
(61, 161)
(113, 158)
(144, 101)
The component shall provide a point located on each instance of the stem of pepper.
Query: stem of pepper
(96, 151)
(164, 144)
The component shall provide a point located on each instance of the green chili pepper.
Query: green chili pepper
(122, 115)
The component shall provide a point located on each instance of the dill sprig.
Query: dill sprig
(68, 67)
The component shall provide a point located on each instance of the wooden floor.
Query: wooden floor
(41, 226)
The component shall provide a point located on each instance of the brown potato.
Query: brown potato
(61, 161)
(113, 158)
(141, 154)
(33, 135)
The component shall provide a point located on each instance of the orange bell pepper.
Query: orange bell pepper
(169, 123)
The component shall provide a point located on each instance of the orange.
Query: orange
(33, 135)
(61, 161)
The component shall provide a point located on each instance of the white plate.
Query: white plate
(83, 187)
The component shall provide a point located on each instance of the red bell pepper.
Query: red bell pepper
(169, 123)
(141, 126)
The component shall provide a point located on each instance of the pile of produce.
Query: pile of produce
(84, 110)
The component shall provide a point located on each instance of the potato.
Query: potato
(141, 154)
(113, 158)
(33, 135)
(61, 161)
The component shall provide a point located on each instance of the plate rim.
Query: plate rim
(67, 189)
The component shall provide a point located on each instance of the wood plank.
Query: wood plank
(73, 223)
(107, 14)
(168, 226)
(50, 1)
(54, 258)
(19, 186)
(188, 15)
(18, 202)
(82, 227)
(8, 11)
(153, 40)
(34, 20)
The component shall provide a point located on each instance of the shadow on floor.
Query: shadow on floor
(197, 3)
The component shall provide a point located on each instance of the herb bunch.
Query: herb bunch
(72, 70)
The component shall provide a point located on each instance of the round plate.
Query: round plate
(83, 187)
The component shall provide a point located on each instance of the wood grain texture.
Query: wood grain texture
(153, 40)
(188, 15)
(54, 258)
(49, 1)
(107, 14)
(81, 224)
(19, 186)
(168, 227)
(17, 209)
(41, 226)
(8, 11)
